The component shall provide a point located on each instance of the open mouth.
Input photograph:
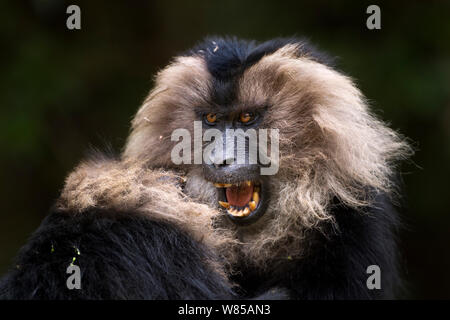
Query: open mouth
(242, 201)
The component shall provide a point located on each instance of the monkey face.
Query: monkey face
(241, 191)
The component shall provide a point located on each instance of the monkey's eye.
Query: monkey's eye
(246, 117)
(210, 118)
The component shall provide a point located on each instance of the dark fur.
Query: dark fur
(337, 259)
(123, 256)
(233, 56)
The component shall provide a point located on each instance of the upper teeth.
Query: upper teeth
(222, 185)
(227, 185)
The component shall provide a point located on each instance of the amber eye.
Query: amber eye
(246, 117)
(211, 117)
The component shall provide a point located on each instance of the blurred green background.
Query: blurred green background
(64, 91)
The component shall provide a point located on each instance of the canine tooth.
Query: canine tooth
(224, 204)
(252, 205)
(256, 197)
(246, 211)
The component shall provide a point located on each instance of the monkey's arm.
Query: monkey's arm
(122, 250)
(120, 256)
(336, 267)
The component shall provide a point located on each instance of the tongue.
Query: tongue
(239, 196)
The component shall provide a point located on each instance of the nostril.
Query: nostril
(220, 165)
(224, 163)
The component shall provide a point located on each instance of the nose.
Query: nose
(223, 153)
(218, 160)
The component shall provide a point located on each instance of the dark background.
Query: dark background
(63, 91)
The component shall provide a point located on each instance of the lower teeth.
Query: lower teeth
(243, 212)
